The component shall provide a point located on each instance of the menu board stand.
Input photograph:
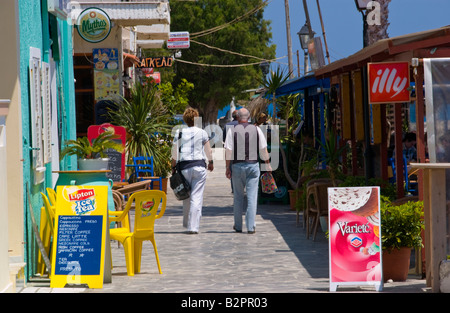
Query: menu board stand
(78, 252)
(355, 237)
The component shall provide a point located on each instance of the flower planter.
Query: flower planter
(93, 164)
(396, 264)
(155, 184)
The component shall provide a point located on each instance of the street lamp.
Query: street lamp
(362, 4)
(304, 37)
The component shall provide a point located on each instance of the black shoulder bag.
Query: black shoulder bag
(178, 183)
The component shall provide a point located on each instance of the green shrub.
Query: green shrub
(401, 225)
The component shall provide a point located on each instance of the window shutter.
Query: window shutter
(46, 113)
(36, 115)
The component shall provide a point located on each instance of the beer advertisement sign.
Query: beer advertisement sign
(354, 236)
(93, 25)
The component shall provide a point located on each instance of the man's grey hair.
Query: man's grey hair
(243, 114)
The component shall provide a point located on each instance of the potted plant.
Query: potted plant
(92, 156)
(401, 227)
(145, 118)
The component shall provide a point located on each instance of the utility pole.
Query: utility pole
(289, 42)
(323, 32)
(308, 22)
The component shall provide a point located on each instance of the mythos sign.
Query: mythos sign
(93, 25)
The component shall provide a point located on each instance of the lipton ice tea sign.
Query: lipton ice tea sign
(83, 200)
(354, 236)
(388, 82)
(78, 255)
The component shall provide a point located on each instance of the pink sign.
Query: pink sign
(354, 236)
(116, 163)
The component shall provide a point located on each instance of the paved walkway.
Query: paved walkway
(276, 259)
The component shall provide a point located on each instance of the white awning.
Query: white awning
(143, 12)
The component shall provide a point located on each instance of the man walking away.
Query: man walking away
(242, 145)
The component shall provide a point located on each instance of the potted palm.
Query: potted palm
(401, 227)
(145, 118)
(92, 156)
(331, 155)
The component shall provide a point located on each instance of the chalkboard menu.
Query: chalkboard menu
(79, 245)
(78, 255)
(116, 163)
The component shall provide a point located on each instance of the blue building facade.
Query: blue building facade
(41, 117)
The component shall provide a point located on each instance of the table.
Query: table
(435, 215)
(128, 189)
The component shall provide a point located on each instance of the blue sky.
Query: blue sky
(343, 23)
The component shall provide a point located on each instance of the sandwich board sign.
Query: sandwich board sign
(354, 237)
(78, 252)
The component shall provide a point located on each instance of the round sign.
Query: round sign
(93, 25)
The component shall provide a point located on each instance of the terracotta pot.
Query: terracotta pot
(164, 184)
(293, 196)
(396, 264)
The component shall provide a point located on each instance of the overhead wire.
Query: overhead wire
(227, 65)
(227, 51)
(237, 19)
(220, 27)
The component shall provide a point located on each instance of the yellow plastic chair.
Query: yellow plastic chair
(51, 196)
(46, 231)
(147, 203)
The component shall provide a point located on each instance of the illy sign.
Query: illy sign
(388, 82)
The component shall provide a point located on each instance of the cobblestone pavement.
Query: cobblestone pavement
(278, 258)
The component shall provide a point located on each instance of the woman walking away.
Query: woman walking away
(191, 149)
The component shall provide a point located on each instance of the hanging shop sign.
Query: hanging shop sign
(93, 25)
(78, 252)
(156, 62)
(106, 72)
(354, 236)
(178, 40)
(388, 82)
(147, 70)
(156, 77)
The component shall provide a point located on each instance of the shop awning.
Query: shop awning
(144, 12)
(299, 84)
(130, 60)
